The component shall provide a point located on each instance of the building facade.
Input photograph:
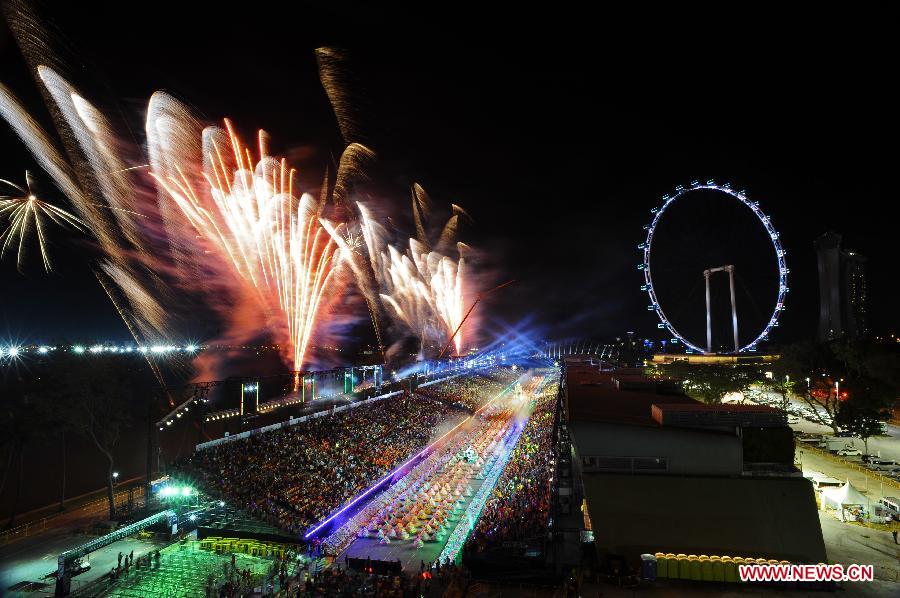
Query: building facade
(842, 290)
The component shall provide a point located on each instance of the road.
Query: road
(846, 544)
(870, 487)
(887, 446)
(32, 559)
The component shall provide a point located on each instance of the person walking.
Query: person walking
(120, 558)
(894, 533)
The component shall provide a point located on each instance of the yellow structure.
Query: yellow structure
(705, 568)
(245, 546)
(699, 358)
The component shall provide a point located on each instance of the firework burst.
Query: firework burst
(420, 289)
(26, 214)
(215, 227)
(247, 213)
(213, 207)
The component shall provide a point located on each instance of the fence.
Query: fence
(291, 422)
(299, 420)
(95, 510)
(889, 481)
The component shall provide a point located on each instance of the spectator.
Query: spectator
(297, 475)
(519, 508)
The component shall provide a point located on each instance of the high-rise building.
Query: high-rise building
(853, 272)
(842, 289)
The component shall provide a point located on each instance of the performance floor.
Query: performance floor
(419, 513)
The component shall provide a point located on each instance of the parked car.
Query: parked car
(844, 434)
(849, 452)
(883, 464)
(810, 414)
(81, 566)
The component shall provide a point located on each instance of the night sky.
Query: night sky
(557, 133)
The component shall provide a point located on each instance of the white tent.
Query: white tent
(845, 496)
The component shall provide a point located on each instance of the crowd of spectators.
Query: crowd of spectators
(438, 580)
(297, 475)
(471, 391)
(519, 507)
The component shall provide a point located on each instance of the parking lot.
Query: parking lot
(854, 543)
(885, 447)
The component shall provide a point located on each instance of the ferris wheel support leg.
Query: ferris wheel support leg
(706, 274)
(734, 325)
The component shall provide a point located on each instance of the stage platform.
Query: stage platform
(435, 497)
(409, 555)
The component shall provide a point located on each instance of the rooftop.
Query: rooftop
(758, 518)
(593, 397)
(726, 408)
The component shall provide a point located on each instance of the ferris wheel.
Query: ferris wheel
(710, 270)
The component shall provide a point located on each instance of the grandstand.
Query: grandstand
(270, 488)
(252, 513)
(470, 391)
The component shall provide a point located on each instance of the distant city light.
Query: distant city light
(15, 351)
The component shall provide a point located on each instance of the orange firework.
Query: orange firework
(247, 213)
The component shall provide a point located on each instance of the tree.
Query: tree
(838, 372)
(94, 403)
(20, 425)
(711, 382)
(782, 382)
(815, 365)
(52, 407)
(862, 417)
